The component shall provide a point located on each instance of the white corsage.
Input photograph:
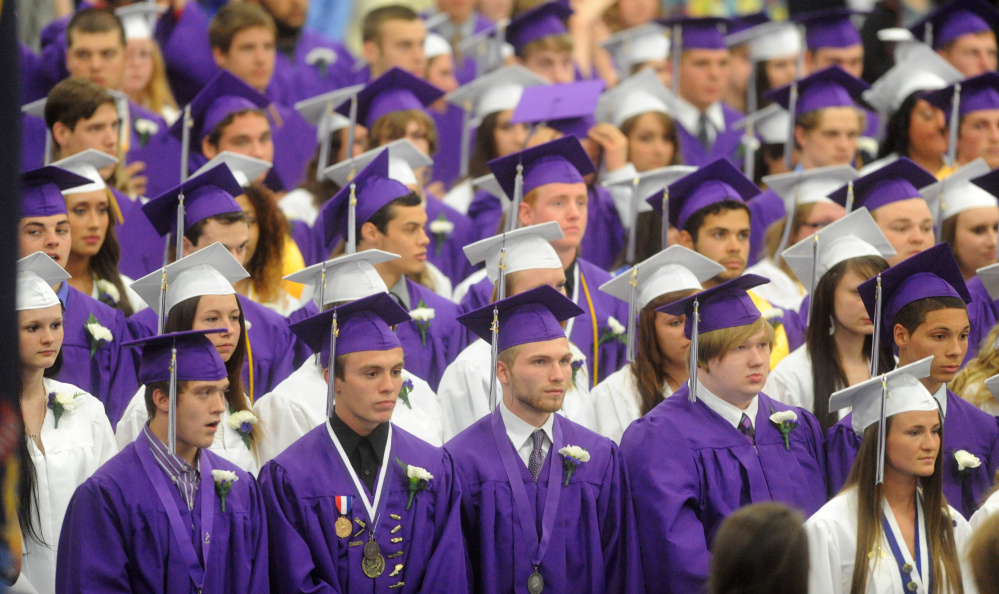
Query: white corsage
(785, 421)
(98, 334)
(966, 461)
(60, 403)
(442, 229)
(243, 421)
(321, 58)
(774, 316)
(146, 129)
(419, 479)
(107, 292)
(223, 483)
(572, 457)
(614, 330)
(422, 315)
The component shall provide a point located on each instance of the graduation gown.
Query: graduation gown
(782, 291)
(965, 427)
(446, 252)
(486, 212)
(119, 508)
(727, 142)
(616, 403)
(765, 209)
(690, 468)
(183, 39)
(294, 142)
(142, 248)
(306, 554)
(298, 405)
(447, 162)
(593, 545)
(73, 451)
(319, 65)
(604, 239)
(982, 315)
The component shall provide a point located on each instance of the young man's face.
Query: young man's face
(199, 411)
(291, 13)
(98, 57)
(233, 237)
(50, 235)
(724, 238)
(833, 141)
(908, 225)
(405, 235)
(979, 137)
(99, 132)
(251, 57)
(972, 54)
(850, 59)
(740, 373)
(249, 134)
(399, 45)
(943, 335)
(538, 377)
(564, 203)
(552, 65)
(367, 394)
(703, 76)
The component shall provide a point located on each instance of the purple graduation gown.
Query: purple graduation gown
(116, 536)
(690, 469)
(142, 248)
(447, 161)
(965, 428)
(727, 143)
(486, 212)
(765, 209)
(604, 238)
(982, 314)
(296, 79)
(306, 554)
(594, 544)
(33, 131)
(110, 373)
(183, 39)
(294, 143)
(447, 255)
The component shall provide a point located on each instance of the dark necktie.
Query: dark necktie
(703, 132)
(746, 428)
(537, 459)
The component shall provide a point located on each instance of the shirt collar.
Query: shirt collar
(519, 431)
(941, 397)
(690, 116)
(350, 439)
(63, 293)
(727, 410)
(172, 464)
(401, 290)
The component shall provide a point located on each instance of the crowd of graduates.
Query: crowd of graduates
(576, 296)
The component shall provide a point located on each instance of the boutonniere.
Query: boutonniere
(442, 229)
(576, 364)
(223, 483)
(419, 480)
(572, 457)
(966, 461)
(774, 317)
(321, 58)
(98, 334)
(785, 421)
(107, 293)
(146, 129)
(60, 403)
(614, 330)
(407, 387)
(243, 421)
(422, 315)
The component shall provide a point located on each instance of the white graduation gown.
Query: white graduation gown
(227, 442)
(832, 545)
(464, 391)
(791, 382)
(988, 509)
(782, 291)
(616, 403)
(298, 404)
(74, 450)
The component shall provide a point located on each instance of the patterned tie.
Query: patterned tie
(703, 134)
(537, 459)
(746, 428)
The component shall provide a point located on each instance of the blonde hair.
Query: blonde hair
(969, 383)
(552, 43)
(157, 94)
(717, 343)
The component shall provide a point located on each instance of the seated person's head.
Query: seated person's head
(82, 115)
(243, 40)
(95, 47)
(393, 36)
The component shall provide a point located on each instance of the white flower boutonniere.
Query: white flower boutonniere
(98, 334)
(422, 315)
(146, 129)
(243, 421)
(774, 317)
(442, 229)
(404, 392)
(419, 479)
(966, 461)
(785, 421)
(614, 330)
(60, 403)
(106, 292)
(572, 457)
(321, 58)
(223, 483)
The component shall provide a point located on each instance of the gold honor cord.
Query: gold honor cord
(596, 328)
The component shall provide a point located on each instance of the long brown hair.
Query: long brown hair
(104, 264)
(939, 528)
(266, 267)
(484, 149)
(983, 555)
(649, 366)
(760, 549)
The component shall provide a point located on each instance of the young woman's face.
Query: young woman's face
(821, 214)
(40, 336)
(975, 237)
(508, 138)
(649, 145)
(219, 311)
(138, 66)
(927, 131)
(633, 13)
(849, 313)
(782, 71)
(88, 220)
(669, 334)
(912, 442)
(417, 134)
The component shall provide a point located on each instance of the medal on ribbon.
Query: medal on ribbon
(344, 505)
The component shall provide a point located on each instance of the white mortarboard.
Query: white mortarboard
(903, 39)
(956, 193)
(992, 384)
(637, 45)
(641, 93)
(318, 110)
(989, 276)
(499, 90)
(527, 248)
(490, 184)
(807, 187)
(434, 45)
(675, 268)
(404, 160)
(853, 236)
(37, 108)
(771, 124)
(922, 70)
(139, 19)
(88, 164)
(36, 275)
(488, 46)
(210, 271)
(347, 278)
(244, 168)
(769, 40)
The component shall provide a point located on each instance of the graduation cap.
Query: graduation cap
(894, 182)
(561, 161)
(139, 19)
(902, 38)
(958, 100)
(396, 90)
(545, 20)
(715, 182)
(884, 396)
(830, 27)
(992, 384)
(854, 236)
(42, 188)
(957, 18)
(209, 271)
(36, 275)
(434, 45)
(647, 185)
(488, 183)
(346, 278)
(637, 45)
(361, 325)
(187, 356)
(533, 316)
(404, 159)
(772, 125)
(359, 199)
(488, 46)
(798, 188)
(88, 164)
(206, 195)
(922, 70)
(693, 33)
(726, 305)
(221, 97)
(769, 40)
(675, 268)
(956, 193)
(244, 168)
(745, 21)
(640, 93)
(567, 108)
(318, 111)
(37, 108)
(527, 248)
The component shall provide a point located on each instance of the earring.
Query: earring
(832, 325)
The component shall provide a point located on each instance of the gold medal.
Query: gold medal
(343, 527)
(535, 583)
(373, 564)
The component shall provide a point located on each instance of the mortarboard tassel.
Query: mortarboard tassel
(633, 218)
(692, 352)
(955, 121)
(876, 338)
(161, 316)
(172, 407)
(501, 276)
(466, 139)
(751, 88)
(676, 49)
(849, 196)
(665, 229)
(941, 208)
(785, 235)
(353, 124)
(180, 225)
(928, 34)
(880, 473)
(47, 159)
(331, 374)
(324, 146)
(497, 49)
(749, 150)
(351, 247)
(185, 141)
(632, 313)
(322, 300)
(518, 195)
(494, 345)
(814, 279)
(789, 143)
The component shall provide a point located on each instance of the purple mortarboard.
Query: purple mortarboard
(715, 182)
(988, 182)
(209, 194)
(568, 108)
(894, 182)
(697, 32)
(544, 20)
(977, 93)
(223, 95)
(960, 17)
(829, 28)
(723, 306)
(369, 191)
(829, 87)
(396, 90)
(532, 316)
(41, 190)
(561, 161)
(741, 23)
(930, 273)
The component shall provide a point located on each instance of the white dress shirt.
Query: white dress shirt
(728, 411)
(519, 432)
